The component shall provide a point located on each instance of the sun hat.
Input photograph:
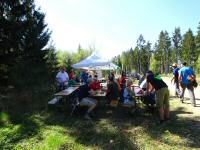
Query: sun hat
(174, 65)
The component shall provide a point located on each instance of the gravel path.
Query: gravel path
(195, 110)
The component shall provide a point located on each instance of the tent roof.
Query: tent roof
(95, 62)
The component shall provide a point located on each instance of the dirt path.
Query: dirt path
(172, 87)
(195, 110)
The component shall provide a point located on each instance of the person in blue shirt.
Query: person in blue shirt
(186, 74)
(128, 94)
(84, 76)
(175, 79)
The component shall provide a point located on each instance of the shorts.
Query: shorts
(162, 97)
(87, 101)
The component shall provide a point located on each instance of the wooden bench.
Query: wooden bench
(54, 101)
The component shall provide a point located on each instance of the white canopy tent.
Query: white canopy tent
(95, 62)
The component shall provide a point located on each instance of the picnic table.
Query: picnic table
(64, 93)
(67, 91)
(98, 93)
(142, 97)
(103, 84)
(138, 91)
(138, 94)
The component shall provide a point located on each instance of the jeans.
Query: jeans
(190, 90)
(177, 89)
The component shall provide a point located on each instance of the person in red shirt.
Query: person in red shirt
(95, 85)
(123, 80)
(72, 74)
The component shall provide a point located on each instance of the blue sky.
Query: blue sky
(113, 26)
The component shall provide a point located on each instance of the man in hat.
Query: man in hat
(186, 75)
(175, 79)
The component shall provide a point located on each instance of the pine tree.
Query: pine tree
(188, 50)
(23, 37)
(197, 40)
(177, 43)
(163, 51)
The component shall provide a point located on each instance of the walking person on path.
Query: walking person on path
(186, 75)
(175, 79)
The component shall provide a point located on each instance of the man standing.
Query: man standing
(186, 75)
(161, 92)
(62, 78)
(175, 78)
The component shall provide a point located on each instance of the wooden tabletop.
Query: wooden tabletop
(98, 93)
(67, 91)
(138, 91)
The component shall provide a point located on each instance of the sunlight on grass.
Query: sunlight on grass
(8, 135)
(55, 140)
(52, 138)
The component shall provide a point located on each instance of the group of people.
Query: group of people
(90, 84)
(63, 79)
(154, 88)
(122, 89)
(183, 78)
(117, 89)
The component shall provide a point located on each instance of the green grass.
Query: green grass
(111, 129)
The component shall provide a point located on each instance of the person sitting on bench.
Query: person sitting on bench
(85, 100)
(95, 85)
(128, 94)
(112, 91)
(149, 100)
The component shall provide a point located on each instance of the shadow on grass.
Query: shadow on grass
(184, 127)
(114, 128)
(187, 101)
(102, 132)
(16, 127)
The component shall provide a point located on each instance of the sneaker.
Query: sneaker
(194, 105)
(178, 95)
(181, 99)
(87, 117)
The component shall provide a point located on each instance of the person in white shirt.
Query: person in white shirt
(143, 85)
(62, 78)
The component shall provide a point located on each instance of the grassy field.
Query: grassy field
(111, 129)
